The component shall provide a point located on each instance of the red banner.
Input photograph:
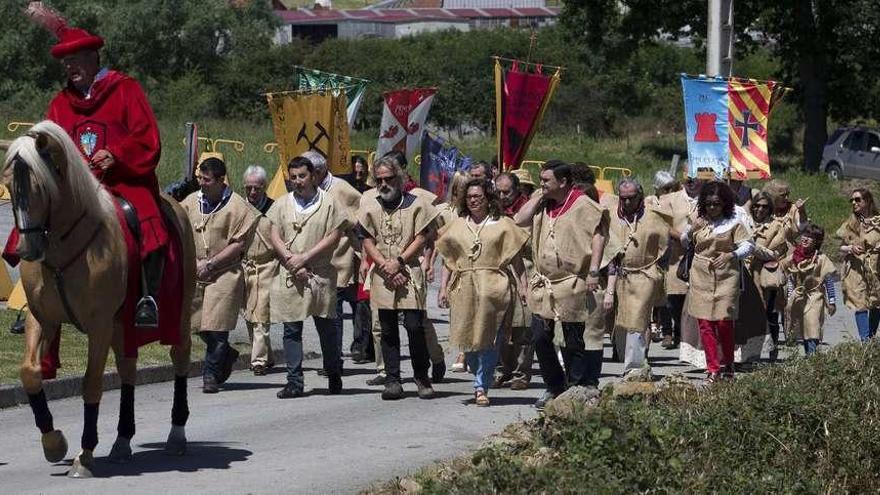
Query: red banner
(521, 97)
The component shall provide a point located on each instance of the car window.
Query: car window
(836, 135)
(873, 141)
(854, 141)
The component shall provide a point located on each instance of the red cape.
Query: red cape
(118, 118)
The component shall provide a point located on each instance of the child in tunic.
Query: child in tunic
(810, 288)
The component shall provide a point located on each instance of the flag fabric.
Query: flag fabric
(439, 164)
(521, 98)
(305, 121)
(354, 87)
(403, 120)
(726, 121)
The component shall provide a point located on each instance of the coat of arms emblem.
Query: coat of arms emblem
(88, 140)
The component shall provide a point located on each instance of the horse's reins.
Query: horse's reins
(45, 231)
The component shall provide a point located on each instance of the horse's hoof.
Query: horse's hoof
(54, 446)
(121, 451)
(176, 443)
(82, 466)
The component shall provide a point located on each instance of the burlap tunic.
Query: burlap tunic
(679, 205)
(638, 247)
(481, 288)
(805, 312)
(216, 304)
(394, 230)
(714, 293)
(562, 250)
(260, 267)
(292, 299)
(344, 257)
(861, 285)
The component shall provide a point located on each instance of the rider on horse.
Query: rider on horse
(108, 116)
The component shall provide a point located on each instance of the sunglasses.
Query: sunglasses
(762, 206)
(385, 180)
(856, 199)
(714, 204)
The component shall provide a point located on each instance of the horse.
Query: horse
(74, 270)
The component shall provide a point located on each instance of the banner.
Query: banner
(521, 98)
(403, 120)
(439, 164)
(305, 121)
(726, 121)
(354, 87)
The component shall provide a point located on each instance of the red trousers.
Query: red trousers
(711, 334)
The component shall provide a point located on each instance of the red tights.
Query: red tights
(711, 334)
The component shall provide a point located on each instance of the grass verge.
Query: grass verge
(808, 426)
(74, 352)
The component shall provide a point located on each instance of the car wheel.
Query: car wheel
(833, 171)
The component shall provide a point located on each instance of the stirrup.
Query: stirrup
(147, 313)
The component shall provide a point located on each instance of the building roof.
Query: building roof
(332, 16)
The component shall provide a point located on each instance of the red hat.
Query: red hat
(72, 40)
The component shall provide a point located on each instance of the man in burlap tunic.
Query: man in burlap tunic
(394, 227)
(568, 239)
(306, 227)
(517, 352)
(681, 206)
(223, 223)
(638, 239)
(345, 256)
(260, 266)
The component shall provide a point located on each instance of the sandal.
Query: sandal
(481, 399)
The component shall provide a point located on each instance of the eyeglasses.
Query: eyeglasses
(476, 196)
(629, 198)
(856, 199)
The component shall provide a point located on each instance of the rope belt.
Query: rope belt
(540, 280)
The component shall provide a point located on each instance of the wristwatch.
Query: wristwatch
(210, 265)
(400, 260)
(594, 273)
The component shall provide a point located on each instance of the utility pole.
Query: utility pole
(719, 43)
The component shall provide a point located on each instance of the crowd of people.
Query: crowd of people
(526, 272)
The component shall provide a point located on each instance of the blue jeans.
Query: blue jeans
(811, 346)
(867, 321)
(216, 349)
(293, 349)
(482, 363)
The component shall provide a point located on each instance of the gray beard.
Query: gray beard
(390, 196)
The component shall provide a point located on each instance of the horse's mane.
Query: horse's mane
(85, 190)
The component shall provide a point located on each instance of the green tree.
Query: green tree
(827, 49)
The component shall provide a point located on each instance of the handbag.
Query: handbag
(683, 272)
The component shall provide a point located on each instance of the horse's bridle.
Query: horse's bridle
(45, 229)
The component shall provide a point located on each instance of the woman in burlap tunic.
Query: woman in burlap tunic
(477, 249)
(860, 235)
(809, 273)
(223, 223)
(770, 235)
(720, 241)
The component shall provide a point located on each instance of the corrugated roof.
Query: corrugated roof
(332, 16)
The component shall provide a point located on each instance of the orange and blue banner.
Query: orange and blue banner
(726, 121)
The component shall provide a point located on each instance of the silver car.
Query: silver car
(852, 152)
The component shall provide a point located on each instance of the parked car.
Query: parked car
(852, 152)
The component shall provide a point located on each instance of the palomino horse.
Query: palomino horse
(74, 270)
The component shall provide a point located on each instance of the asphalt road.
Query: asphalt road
(244, 440)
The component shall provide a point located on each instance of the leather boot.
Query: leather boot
(147, 312)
